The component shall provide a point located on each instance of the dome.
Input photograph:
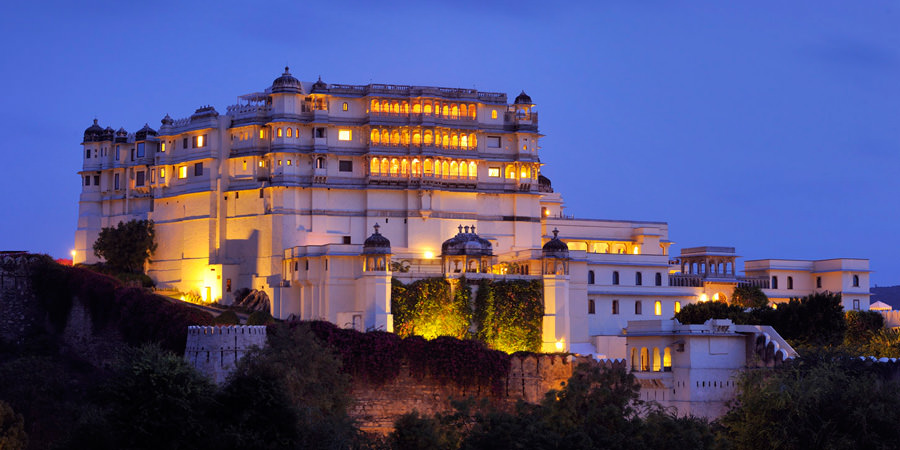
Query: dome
(555, 248)
(467, 243)
(167, 120)
(523, 99)
(108, 134)
(544, 184)
(121, 135)
(286, 83)
(93, 132)
(319, 85)
(377, 244)
(142, 134)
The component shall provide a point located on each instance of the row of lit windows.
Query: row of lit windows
(439, 168)
(638, 307)
(427, 107)
(638, 278)
(437, 138)
(641, 362)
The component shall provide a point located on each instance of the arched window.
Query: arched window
(278, 132)
(657, 308)
(591, 307)
(464, 141)
(404, 108)
(290, 132)
(395, 137)
(590, 277)
(429, 167)
(638, 308)
(677, 307)
(615, 307)
(375, 166)
(437, 167)
(404, 167)
(634, 360)
(615, 277)
(463, 169)
(454, 111)
(297, 133)
(774, 282)
(645, 360)
(790, 283)
(855, 280)
(416, 167)
(417, 108)
(473, 169)
(493, 114)
(427, 108)
(667, 359)
(385, 166)
(445, 168)
(385, 137)
(454, 169)
(320, 163)
(658, 279)
(638, 278)
(395, 167)
(395, 107)
(385, 106)
(463, 110)
(376, 137)
(417, 138)
(428, 137)
(375, 106)
(445, 111)
(657, 366)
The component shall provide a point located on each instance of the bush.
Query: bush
(228, 317)
(426, 308)
(260, 318)
(12, 429)
(509, 314)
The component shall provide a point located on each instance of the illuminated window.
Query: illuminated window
(416, 167)
(262, 164)
(395, 166)
(200, 141)
(525, 172)
(290, 132)
(244, 165)
(262, 133)
(344, 135)
(636, 250)
(445, 168)
(162, 173)
(454, 169)
(182, 172)
(493, 172)
(385, 166)
(297, 133)
(345, 107)
(493, 114)
(279, 162)
(374, 169)
(615, 307)
(511, 172)
(278, 132)
(591, 307)
(289, 162)
(657, 308)
(162, 147)
(473, 169)
(463, 169)
(404, 167)
(667, 360)
(429, 167)
(417, 108)
(677, 307)
(656, 363)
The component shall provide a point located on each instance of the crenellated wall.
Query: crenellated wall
(215, 351)
(18, 305)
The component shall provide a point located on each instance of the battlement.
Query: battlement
(215, 351)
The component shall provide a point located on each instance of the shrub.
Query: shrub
(509, 314)
(12, 428)
(228, 317)
(260, 318)
(426, 308)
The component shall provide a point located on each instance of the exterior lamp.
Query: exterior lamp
(72, 253)
(703, 298)
(429, 254)
(560, 345)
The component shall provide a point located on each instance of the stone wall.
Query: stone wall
(215, 351)
(19, 311)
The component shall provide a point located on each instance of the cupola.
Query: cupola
(286, 84)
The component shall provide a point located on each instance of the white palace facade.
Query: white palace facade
(282, 193)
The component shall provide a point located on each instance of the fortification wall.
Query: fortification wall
(18, 304)
(215, 351)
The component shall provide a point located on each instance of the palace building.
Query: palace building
(319, 193)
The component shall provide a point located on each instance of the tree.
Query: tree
(127, 246)
(862, 326)
(12, 429)
(698, 313)
(749, 297)
(822, 400)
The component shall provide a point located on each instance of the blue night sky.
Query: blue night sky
(769, 126)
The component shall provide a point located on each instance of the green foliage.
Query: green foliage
(698, 313)
(227, 317)
(260, 318)
(508, 314)
(154, 397)
(309, 375)
(12, 429)
(884, 343)
(749, 297)
(413, 432)
(823, 401)
(862, 326)
(127, 246)
(426, 308)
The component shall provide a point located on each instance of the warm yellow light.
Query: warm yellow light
(199, 141)
(493, 171)
(162, 172)
(262, 134)
(636, 250)
(73, 253)
(657, 308)
(344, 135)
(182, 172)
(429, 254)
(546, 212)
(162, 147)
(493, 114)
(677, 307)
(203, 294)
(262, 164)
(560, 345)
(182, 298)
(716, 296)
(703, 298)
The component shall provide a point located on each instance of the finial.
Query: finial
(287, 70)
(466, 228)
(460, 229)
(377, 227)
(95, 121)
(473, 229)
(555, 233)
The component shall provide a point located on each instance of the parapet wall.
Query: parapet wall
(215, 351)
(18, 305)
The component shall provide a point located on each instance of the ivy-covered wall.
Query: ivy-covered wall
(506, 314)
